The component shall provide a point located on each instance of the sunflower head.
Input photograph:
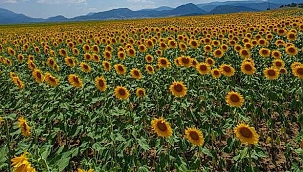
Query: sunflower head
(161, 127)
(298, 71)
(75, 81)
(234, 99)
(218, 53)
(195, 136)
(203, 68)
(163, 62)
(37, 74)
(216, 73)
(246, 134)
(140, 92)
(106, 65)
(100, 83)
(178, 89)
(227, 70)
(136, 73)
(149, 69)
(85, 67)
(121, 93)
(248, 68)
(271, 73)
(120, 69)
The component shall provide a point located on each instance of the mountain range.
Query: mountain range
(9, 17)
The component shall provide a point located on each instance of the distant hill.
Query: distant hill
(9, 17)
(57, 19)
(257, 5)
(223, 9)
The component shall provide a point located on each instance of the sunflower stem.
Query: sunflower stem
(249, 158)
(8, 144)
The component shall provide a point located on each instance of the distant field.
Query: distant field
(202, 93)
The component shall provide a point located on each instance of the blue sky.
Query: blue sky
(72, 8)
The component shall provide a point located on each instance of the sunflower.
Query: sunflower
(207, 48)
(120, 69)
(276, 54)
(194, 44)
(224, 47)
(161, 127)
(194, 62)
(135, 73)
(75, 51)
(96, 58)
(291, 50)
(51, 80)
(69, 61)
(142, 48)
(62, 52)
(218, 53)
(278, 63)
(291, 36)
(19, 160)
(178, 89)
(131, 52)
(264, 52)
(121, 55)
(149, 69)
(227, 70)
(25, 128)
(271, 73)
(107, 55)
(75, 81)
(234, 99)
(195, 136)
(244, 53)
(185, 61)
(51, 62)
(149, 58)
(100, 83)
(20, 57)
(172, 44)
(182, 46)
(203, 68)
(210, 61)
(37, 74)
(295, 64)
(163, 62)
(86, 48)
(31, 65)
(87, 57)
(298, 71)
(95, 48)
(140, 92)
(246, 134)
(17, 81)
(283, 70)
(248, 68)
(216, 73)
(121, 93)
(280, 43)
(81, 170)
(85, 67)
(149, 44)
(106, 65)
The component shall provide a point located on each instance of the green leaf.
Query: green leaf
(143, 144)
(143, 169)
(207, 152)
(63, 163)
(46, 151)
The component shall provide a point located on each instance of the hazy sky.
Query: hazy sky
(72, 8)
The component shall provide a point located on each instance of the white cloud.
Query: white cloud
(10, 1)
(141, 1)
(61, 1)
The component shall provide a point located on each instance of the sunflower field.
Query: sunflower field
(202, 93)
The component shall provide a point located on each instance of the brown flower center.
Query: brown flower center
(234, 98)
(245, 132)
(248, 67)
(178, 88)
(162, 126)
(122, 92)
(300, 71)
(194, 135)
(271, 72)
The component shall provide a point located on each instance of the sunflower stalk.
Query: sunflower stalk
(8, 144)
